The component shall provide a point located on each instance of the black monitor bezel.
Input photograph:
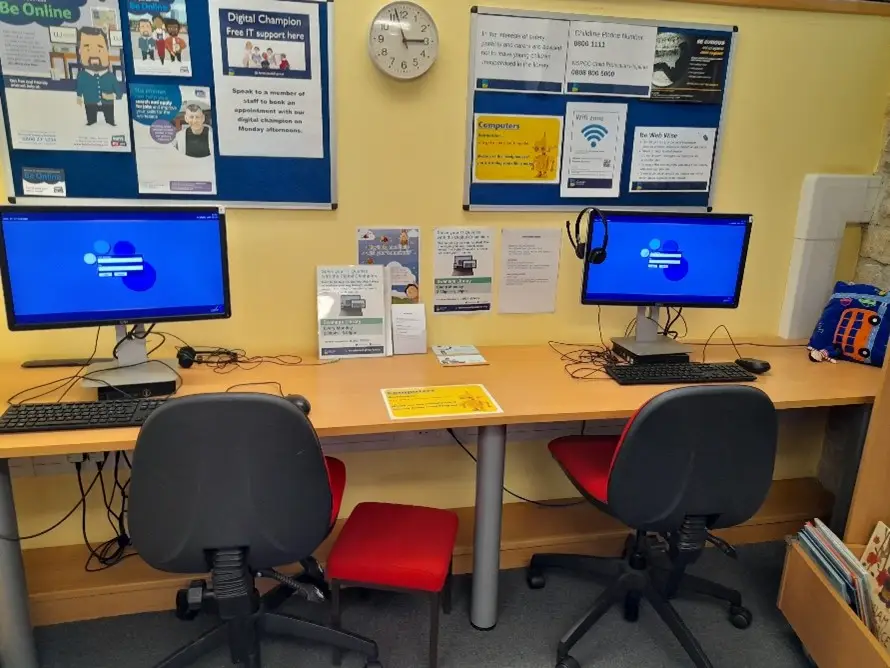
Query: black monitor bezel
(672, 304)
(7, 287)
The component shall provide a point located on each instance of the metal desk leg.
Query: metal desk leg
(17, 649)
(487, 540)
(852, 422)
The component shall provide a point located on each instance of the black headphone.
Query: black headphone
(595, 255)
(188, 356)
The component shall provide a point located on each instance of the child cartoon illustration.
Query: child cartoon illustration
(543, 163)
(403, 238)
(195, 139)
(412, 293)
(97, 88)
(160, 35)
(248, 49)
(146, 40)
(175, 44)
(282, 62)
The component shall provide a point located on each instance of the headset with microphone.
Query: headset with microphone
(594, 254)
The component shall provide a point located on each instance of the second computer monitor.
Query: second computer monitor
(668, 259)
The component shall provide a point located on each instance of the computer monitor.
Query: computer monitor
(87, 267)
(667, 259)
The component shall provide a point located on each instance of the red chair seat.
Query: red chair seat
(337, 479)
(406, 547)
(587, 460)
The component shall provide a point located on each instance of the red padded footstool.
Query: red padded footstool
(389, 546)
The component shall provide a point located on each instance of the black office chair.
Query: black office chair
(235, 484)
(690, 460)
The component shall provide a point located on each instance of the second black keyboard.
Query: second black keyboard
(77, 415)
(682, 373)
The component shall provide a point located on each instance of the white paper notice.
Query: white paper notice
(515, 53)
(408, 329)
(593, 149)
(610, 58)
(672, 159)
(463, 267)
(529, 269)
(267, 73)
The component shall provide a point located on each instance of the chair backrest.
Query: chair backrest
(219, 471)
(695, 451)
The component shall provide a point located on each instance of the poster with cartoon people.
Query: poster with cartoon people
(173, 139)
(398, 250)
(64, 76)
(159, 37)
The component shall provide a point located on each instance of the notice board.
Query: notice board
(566, 111)
(109, 102)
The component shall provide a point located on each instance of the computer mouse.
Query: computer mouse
(753, 365)
(300, 402)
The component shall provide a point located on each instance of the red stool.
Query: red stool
(401, 548)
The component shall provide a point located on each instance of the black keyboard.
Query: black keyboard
(77, 415)
(683, 372)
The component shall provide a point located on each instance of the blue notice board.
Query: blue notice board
(110, 177)
(519, 121)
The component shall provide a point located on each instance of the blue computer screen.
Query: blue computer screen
(66, 267)
(683, 260)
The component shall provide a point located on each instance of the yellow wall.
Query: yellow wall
(807, 95)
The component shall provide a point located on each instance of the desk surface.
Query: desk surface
(529, 382)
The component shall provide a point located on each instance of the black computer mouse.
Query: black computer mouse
(300, 402)
(753, 365)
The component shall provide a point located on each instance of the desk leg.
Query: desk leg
(487, 540)
(17, 649)
(852, 422)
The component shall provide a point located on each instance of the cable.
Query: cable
(15, 539)
(510, 492)
(744, 343)
(262, 382)
(132, 336)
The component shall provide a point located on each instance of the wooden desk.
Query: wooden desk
(529, 382)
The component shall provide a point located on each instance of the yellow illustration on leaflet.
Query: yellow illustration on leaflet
(516, 149)
(439, 401)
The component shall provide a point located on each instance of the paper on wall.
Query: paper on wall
(668, 159)
(529, 269)
(462, 270)
(352, 312)
(610, 58)
(159, 37)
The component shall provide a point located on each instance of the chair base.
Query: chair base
(631, 579)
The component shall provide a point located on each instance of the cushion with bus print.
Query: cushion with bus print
(854, 325)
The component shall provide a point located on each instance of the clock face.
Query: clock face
(403, 40)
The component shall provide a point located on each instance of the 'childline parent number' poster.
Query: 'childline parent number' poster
(63, 72)
(267, 74)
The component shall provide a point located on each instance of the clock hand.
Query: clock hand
(415, 41)
(401, 29)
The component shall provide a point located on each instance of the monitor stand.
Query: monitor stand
(648, 345)
(131, 373)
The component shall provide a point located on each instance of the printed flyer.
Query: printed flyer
(593, 149)
(352, 312)
(63, 73)
(173, 137)
(689, 66)
(159, 38)
(43, 182)
(672, 159)
(463, 268)
(398, 251)
(516, 149)
(267, 74)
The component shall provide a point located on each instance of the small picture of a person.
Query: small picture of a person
(270, 56)
(146, 40)
(195, 139)
(282, 62)
(97, 88)
(160, 35)
(412, 293)
(248, 49)
(175, 44)
(255, 58)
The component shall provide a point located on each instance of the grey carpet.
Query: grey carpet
(530, 625)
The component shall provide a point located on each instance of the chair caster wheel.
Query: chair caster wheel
(535, 578)
(184, 611)
(568, 662)
(740, 617)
